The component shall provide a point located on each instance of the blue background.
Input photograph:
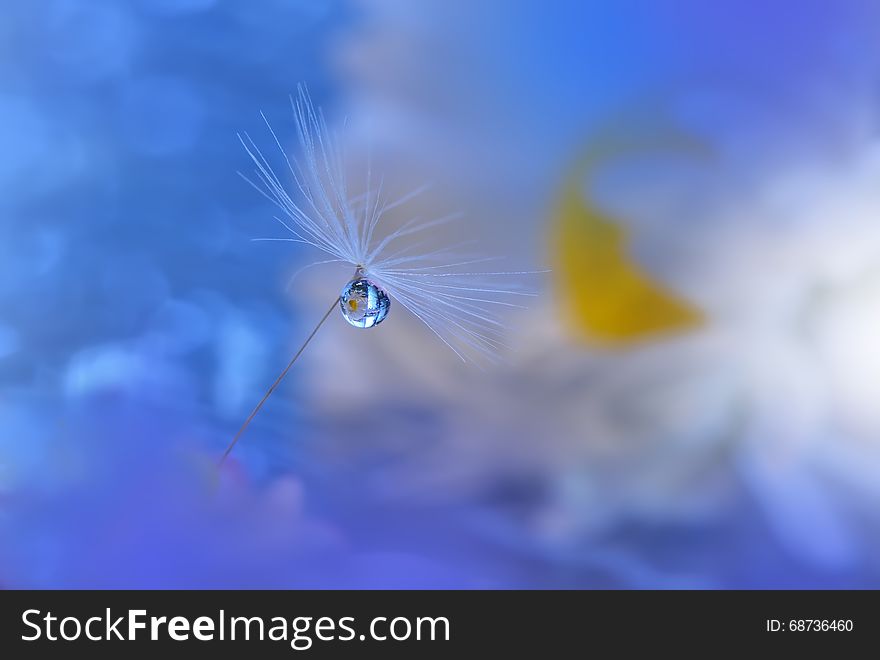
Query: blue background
(139, 323)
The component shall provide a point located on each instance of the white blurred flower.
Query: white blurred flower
(774, 393)
(773, 401)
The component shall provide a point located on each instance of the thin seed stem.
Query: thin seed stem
(275, 384)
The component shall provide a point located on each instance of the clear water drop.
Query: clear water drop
(363, 303)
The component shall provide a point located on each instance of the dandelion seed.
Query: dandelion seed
(436, 286)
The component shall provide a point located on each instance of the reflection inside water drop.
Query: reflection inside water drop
(363, 303)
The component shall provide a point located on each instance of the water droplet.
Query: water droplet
(363, 303)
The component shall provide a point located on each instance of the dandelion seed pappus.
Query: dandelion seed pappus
(437, 286)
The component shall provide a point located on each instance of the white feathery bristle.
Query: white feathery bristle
(438, 286)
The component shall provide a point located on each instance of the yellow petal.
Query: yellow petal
(605, 296)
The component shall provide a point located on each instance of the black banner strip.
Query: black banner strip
(416, 624)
